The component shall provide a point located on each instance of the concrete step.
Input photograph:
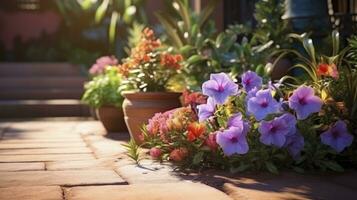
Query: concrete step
(34, 69)
(23, 94)
(41, 83)
(42, 108)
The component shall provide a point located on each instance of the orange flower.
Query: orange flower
(324, 69)
(193, 98)
(179, 154)
(195, 130)
(171, 61)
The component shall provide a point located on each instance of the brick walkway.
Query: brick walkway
(71, 159)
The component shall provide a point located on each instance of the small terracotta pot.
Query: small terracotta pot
(139, 107)
(112, 118)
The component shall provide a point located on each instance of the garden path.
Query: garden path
(72, 159)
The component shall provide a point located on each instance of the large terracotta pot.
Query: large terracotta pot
(139, 107)
(112, 118)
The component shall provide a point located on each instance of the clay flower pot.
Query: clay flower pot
(112, 118)
(139, 107)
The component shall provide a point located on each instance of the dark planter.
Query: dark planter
(112, 118)
(307, 15)
(139, 107)
(280, 69)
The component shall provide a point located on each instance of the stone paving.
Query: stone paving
(59, 160)
(74, 160)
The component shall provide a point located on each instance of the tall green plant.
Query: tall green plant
(185, 27)
(112, 13)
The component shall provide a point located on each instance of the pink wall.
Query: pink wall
(27, 25)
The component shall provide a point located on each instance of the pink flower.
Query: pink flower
(179, 154)
(102, 63)
(155, 153)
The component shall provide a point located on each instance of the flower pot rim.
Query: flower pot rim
(148, 95)
(108, 106)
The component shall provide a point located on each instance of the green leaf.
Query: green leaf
(197, 159)
(86, 4)
(195, 59)
(184, 13)
(171, 28)
(112, 27)
(335, 42)
(206, 13)
(242, 167)
(186, 49)
(271, 167)
(102, 9)
(333, 166)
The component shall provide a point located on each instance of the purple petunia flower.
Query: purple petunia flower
(206, 110)
(262, 104)
(232, 140)
(219, 87)
(251, 80)
(337, 136)
(274, 132)
(290, 121)
(295, 144)
(304, 102)
(236, 120)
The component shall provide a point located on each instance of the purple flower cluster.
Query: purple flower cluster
(281, 131)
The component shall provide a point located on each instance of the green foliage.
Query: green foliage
(134, 35)
(350, 97)
(270, 27)
(120, 12)
(133, 150)
(104, 89)
(185, 27)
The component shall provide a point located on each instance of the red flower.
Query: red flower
(211, 141)
(179, 154)
(324, 69)
(195, 130)
(194, 98)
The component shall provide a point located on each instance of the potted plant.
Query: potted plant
(102, 93)
(148, 71)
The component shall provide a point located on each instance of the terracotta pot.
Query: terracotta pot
(139, 107)
(112, 118)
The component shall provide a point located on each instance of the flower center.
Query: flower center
(220, 88)
(274, 129)
(234, 139)
(264, 104)
(335, 134)
(247, 81)
(302, 100)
